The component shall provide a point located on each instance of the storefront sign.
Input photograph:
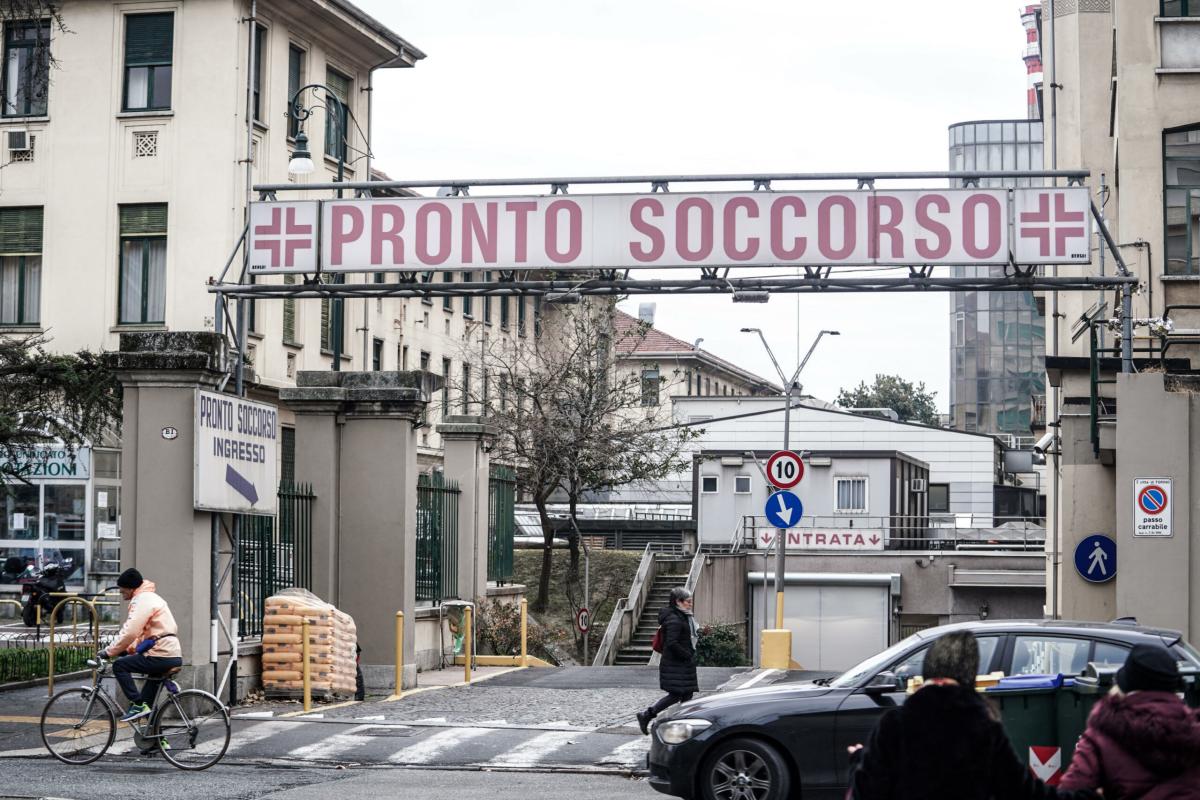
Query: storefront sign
(766, 228)
(55, 463)
(807, 539)
(236, 454)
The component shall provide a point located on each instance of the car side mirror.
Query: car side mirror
(884, 682)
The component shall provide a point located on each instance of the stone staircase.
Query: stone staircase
(638, 651)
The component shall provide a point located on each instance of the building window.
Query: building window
(287, 454)
(143, 296)
(1179, 8)
(687, 379)
(485, 401)
(289, 314)
(445, 386)
(1181, 190)
(20, 266)
(148, 54)
(741, 484)
(939, 498)
(448, 301)
(650, 384)
(424, 361)
(466, 389)
(709, 484)
(337, 116)
(504, 311)
(330, 309)
(486, 301)
(850, 495)
(295, 81)
(260, 44)
(467, 305)
(377, 354)
(537, 316)
(26, 68)
(521, 316)
(403, 359)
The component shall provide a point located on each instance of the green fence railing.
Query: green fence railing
(274, 553)
(437, 538)
(502, 523)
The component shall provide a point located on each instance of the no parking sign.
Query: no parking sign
(1151, 506)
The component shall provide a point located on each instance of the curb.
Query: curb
(65, 676)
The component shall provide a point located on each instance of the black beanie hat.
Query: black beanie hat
(130, 579)
(1149, 668)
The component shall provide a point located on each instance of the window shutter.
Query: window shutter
(144, 220)
(325, 342)
(339, 83)
(148, 39)
(21, 231)
(289, 313)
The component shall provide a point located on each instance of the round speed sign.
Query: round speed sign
(785, 469)
(583, 620)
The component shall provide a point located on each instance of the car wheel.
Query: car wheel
(745, 769)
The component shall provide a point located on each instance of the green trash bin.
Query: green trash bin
(1075, 702)
(1028, 706)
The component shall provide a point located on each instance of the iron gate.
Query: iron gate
(502, 523)
(437, 538)
(274, 553)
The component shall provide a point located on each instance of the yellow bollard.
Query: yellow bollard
(524, 632)
(467, 643)
(304, 666)
(399, 655)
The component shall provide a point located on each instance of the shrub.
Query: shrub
(720, 645)
(498, 628)
(26, 663)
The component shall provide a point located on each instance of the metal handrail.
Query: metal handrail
(693, 579)
(626, 606)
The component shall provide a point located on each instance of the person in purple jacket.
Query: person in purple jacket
(1142, 742)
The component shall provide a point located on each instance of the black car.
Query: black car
(790, 739)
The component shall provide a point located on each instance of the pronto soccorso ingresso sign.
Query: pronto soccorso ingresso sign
(827, 228)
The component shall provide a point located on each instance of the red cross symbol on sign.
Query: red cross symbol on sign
(1059, 226)
(283, 235)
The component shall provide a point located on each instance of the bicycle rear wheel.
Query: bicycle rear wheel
(192, 729)
(78, 726)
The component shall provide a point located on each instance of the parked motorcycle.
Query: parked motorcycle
(40, 585)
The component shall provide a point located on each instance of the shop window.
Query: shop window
(64, 512)
(148, 55)
(143, 294)
(850, 495)
(26, 68)
(20, 266)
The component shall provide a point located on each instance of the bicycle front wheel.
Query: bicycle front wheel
(78, 726)
(192, 729)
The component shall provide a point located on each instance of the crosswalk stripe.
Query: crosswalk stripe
(534, 750)
(256, 733)
(433, 746)
(330, 745)
(630, 754)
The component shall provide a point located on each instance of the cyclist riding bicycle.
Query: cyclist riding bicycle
(149, 640)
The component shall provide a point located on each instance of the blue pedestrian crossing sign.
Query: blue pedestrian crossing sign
(784, 510)
(1096, 558)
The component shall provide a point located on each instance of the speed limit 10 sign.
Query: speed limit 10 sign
(785, 469)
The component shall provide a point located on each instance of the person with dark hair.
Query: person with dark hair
(677, 669)
(1141, 740)
(945, 742)
(148, 639)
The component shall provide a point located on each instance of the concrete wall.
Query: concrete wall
(721, 591)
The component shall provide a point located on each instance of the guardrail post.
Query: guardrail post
(524, 632)
(467, 629)
(399, 655)
(305, 672)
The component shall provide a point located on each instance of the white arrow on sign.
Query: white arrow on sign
(785, 511)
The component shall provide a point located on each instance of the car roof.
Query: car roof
(1117, 630)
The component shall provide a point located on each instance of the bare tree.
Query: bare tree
(569, 419)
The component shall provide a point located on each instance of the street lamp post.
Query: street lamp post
(301, 163)
(790, 387)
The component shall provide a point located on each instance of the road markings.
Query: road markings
(263, 730)
(534, 750)
(433, 746)
(329, 746)
(630, 754)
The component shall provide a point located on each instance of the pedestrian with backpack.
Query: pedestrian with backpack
(676, 639)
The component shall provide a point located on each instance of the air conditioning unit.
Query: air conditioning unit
(17, 140)
(917, 485)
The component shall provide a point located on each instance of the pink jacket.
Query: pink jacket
(148, 616)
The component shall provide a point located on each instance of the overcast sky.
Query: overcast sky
(533, 88)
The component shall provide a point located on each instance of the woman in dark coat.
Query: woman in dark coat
(945, 742)
(677, 669)
(1141, 741)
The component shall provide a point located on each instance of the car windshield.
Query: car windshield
(853, 676)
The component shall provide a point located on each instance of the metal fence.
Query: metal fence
(274, 553)
(502, 523)
(437, 538)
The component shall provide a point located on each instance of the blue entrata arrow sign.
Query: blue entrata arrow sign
(784, 510)
(242, 486)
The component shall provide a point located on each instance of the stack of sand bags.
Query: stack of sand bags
(331, 645)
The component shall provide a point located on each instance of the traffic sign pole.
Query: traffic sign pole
(780, 533)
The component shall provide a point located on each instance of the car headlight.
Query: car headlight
(678, 731)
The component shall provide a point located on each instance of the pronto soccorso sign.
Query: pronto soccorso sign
(560, 232)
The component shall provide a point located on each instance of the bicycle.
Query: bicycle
(190, 728)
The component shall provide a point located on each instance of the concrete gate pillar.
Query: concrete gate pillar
(168, 541)
(356, 444)
(467, 441)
